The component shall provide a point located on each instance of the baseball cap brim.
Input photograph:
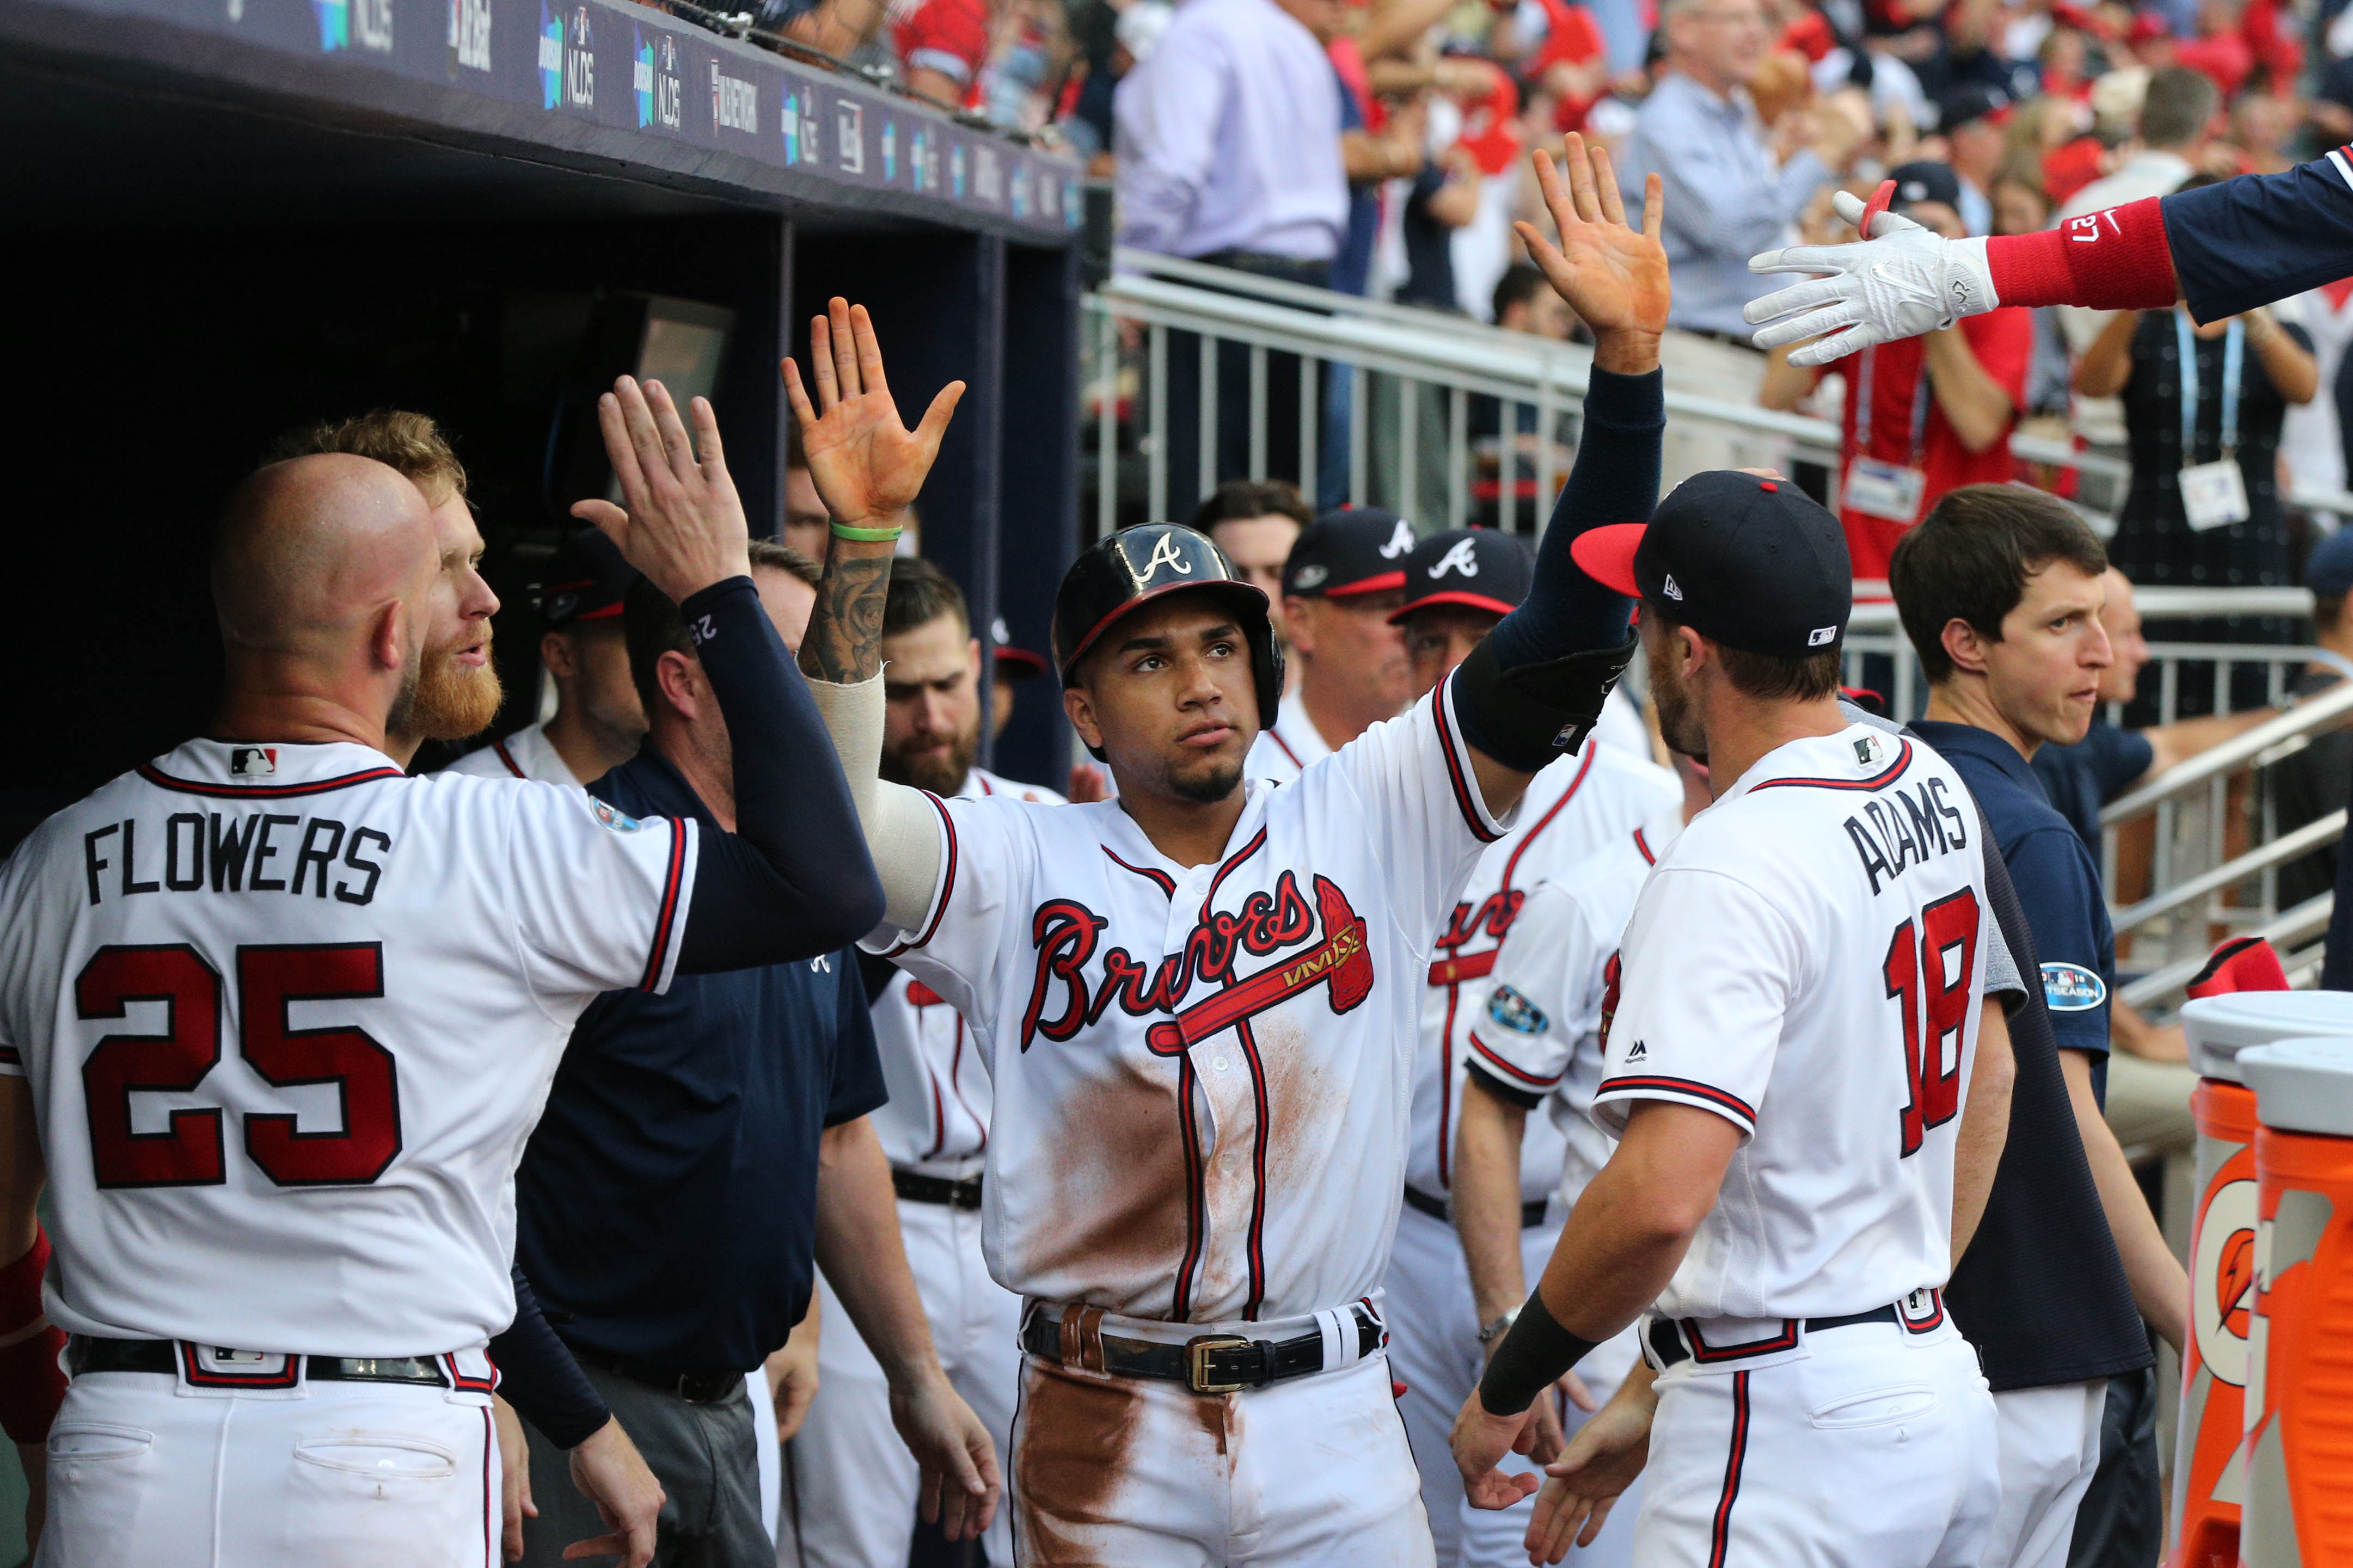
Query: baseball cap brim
(1379, 583)
(1606, 554)
(1451, 596)
(1018, 663)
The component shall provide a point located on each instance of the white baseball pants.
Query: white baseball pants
(1434, 1346)
(2050, 1441)
(1868, 1446)
(849, 1483)
(144, 1469)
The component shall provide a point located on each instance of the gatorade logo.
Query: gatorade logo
(1163, 552)
(2222, 1281)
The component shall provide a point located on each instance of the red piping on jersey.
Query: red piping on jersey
(162, 780)
(1161, 879)
(1722, 1098)
(1196, 1220)
(1642, 846)
(985, 788)
(1463, 801)
(1258, 842)
(1720, 1533)
(947, 882)
(955, 1084)
(1511, 865)
(1531, 1080)
(939, 1116)
(1880, 780)
(507, 757)
(669, 910)
(1284, 747)
(1257, 1241)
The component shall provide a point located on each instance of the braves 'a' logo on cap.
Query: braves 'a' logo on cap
(1164, 550)
(1461, 558)
(1400, 541)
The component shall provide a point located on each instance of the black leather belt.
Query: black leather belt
(1668, 1345)
(915, 1189)
(694, 1387)
(85, 1353)
(1532, 1213)
(1206, 1363)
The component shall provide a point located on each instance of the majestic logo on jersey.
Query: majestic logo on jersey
(252, 762)
(2071, 988)
(1459, 558)
(619, 822)
(1515, 1012)
(1066, 933)
(1636, 1052)
(1400, 541)
(1163, 554)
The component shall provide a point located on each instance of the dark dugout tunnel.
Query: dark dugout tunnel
(233, 218)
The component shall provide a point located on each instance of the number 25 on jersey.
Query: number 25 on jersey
(270, 979)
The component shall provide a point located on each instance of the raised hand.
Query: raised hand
(868, 466)
(1612, 275)
(684, 526)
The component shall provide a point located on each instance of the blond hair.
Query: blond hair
(410, 444)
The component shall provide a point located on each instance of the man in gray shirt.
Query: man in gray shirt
(1729, 187)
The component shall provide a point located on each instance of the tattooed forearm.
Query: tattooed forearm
(844, 642)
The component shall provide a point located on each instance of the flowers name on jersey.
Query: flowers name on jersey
(1328, 951)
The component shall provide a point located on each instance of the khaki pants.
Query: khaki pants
(2148, 1104)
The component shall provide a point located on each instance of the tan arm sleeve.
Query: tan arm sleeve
(903, 831)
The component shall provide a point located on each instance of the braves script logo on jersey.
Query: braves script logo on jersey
(1066, 933)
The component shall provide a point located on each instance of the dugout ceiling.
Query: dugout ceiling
(230, 217)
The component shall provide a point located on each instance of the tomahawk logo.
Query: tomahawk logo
(1400, 541)
(1163, 552)
(1461, 558)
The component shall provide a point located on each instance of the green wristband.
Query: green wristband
(866, 535)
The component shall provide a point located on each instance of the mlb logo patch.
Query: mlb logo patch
(1515, 1012)
(617, 821)
(2071, 988)
(252, 762)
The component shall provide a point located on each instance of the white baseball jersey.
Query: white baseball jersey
(1202, 1074)
(288, 1015)
(525, 754)
(1284, 749)
(937, 1119)
(1539, 1027)
(1573, 807)
(1806, 961)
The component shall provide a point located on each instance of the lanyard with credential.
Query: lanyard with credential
(2234, 355)
(1863, 381)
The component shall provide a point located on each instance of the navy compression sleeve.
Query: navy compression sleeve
(794, 879)
(540, 1378)
(2261, 237)
(1566, 613)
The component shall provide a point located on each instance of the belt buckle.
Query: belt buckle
(1198, 1352)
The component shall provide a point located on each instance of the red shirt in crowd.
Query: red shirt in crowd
(1571, 37)
(950, 37)
(2003, 341)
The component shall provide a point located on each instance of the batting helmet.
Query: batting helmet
(1113, 575)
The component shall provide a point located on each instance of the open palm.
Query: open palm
(867, 465)
(1613, 275)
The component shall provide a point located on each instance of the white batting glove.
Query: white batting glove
(1901, 281)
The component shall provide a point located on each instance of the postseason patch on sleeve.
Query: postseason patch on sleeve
(621, 822)
(1515, 1012)
(2071, 988)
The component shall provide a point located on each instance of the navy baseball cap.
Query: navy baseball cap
(1354, 550)
(1925, 181)
(2329, 571)
(585, 580)
(1477, 568)
(1753, 563)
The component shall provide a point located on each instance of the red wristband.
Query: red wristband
(2114, 259)
(31, 1385)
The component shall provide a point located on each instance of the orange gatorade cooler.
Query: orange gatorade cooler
(2207, 1479)
(2298, 1510)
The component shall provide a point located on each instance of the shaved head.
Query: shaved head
(321, 574)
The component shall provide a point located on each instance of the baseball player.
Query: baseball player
(934, 1130)
(1342, 584)
(1789, 1070)
(1534, 1045)
(1458, 585)
(599, 719)
(1199, 1002)
(282, 1015)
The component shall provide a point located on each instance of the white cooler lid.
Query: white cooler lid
(2302, 1086)
(2219, 1028)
